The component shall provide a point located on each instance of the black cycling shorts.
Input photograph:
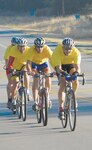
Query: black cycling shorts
(67, 67)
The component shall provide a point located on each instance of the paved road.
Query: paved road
(15, 134)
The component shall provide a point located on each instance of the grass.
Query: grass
(53, 29)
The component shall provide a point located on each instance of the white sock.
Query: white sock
(27, 91)
(14, 101)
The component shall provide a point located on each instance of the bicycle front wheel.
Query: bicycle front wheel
(72, 110)
(64, 121)
(38, 111)
(44, 107)
(23, 104)
(18, 106)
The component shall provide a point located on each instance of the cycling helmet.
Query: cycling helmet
(68, 42)
(14, 40)
(22, 42)
(39, 42)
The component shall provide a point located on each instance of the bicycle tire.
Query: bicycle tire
(23, 104)
(18, 106)
(44, 107)
(72, 111)
(38, 112)
(65, 120)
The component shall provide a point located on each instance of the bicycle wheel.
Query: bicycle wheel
(18, 107)
(38, 111)
(72, 110)
(23, 104)
(64, 121)
(44, 107)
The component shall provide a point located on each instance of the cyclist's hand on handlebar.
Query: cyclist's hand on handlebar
(74, 77)
(64, 73)
(10, 70)
(75, 73)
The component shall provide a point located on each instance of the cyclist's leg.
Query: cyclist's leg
(26, 83)
(8, 87)
(35, 89)
(61, 92)
(9, 93)
(14, 88)
(35, 86)
(75, 84)
(47, 70)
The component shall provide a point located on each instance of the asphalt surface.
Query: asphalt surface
(16, 134)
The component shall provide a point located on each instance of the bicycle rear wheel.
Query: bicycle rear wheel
(64, 121)
(44, 107)
(72, 111)
(23, 104)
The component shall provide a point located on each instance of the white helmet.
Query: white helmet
(22, 42)
(68, 42)
(39, 42)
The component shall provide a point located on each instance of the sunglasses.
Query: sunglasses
(66, 48)
(39, 46)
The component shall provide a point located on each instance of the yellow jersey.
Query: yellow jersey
(20, 59)
(7, 52)
(40, 58)
(59, 58)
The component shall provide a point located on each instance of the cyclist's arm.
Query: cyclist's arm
(77, 67)
(59, 70)
(29, 68)
(10, 62)
(77, 61)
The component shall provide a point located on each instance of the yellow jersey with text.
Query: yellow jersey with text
(20, 59)
(59, 58)
(40, 58)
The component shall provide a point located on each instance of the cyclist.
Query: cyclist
(39, 55)
(14, 41)
(17, 61)
(66, 57)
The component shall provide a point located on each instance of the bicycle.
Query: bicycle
(21, 96)
(70, 102)
(42, 104)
